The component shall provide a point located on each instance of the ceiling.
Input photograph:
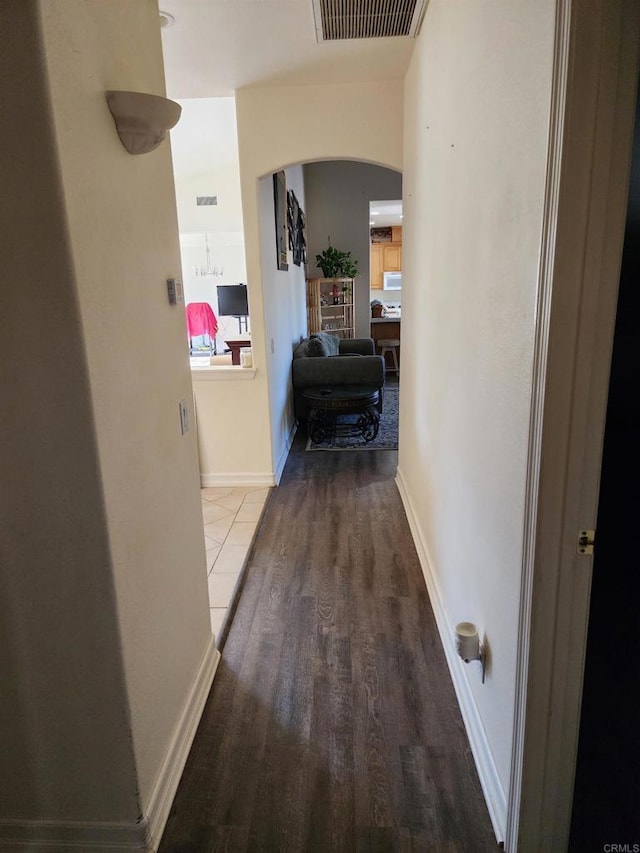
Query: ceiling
(382, 214)
(214, 47)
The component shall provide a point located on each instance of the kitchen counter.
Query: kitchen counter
(385, 328)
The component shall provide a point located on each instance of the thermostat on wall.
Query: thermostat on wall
(175, 292)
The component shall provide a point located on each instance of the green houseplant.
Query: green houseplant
(337, 264)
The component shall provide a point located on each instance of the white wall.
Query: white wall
(122, 233)
(206, 162)
(338, 196)
(204, 147)
(278, 127)
(285, 313)
(476, 108)
(244, 435)
(234, 440)
(392, 296)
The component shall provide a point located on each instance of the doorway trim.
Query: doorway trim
(591, 130)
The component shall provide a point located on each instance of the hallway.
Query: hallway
(332, 724)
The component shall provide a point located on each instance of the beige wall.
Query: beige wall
(64, 717)
(124, 238)
(283, 126)
(476, 108)
(106, 603)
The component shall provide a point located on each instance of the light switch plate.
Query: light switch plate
(175, 292)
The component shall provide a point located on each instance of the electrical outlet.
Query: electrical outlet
(184, 416)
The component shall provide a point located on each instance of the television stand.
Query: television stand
(243, 321)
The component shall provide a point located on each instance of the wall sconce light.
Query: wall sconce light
(142, 120)
(468, 645)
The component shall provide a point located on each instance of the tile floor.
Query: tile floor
(230, 516)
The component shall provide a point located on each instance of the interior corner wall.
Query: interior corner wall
(338, 196)
(65, 735)
(278, 127)
(123, 234)
(477, 103)
(285, 315)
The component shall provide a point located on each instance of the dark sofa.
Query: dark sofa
(325, 359)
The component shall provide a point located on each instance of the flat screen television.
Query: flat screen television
(232, 300)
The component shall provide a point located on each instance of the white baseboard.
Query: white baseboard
(143, 836)
(285, 452)
(494, 793)
(239, 479)
(156, 811)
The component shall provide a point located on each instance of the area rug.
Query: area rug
(387, 438)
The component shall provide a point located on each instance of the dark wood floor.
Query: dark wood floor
(332, 725)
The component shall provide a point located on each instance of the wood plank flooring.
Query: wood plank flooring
(332, 725)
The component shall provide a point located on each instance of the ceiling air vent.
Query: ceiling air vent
(366, 19)
(204, 200)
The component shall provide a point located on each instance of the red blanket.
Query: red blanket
(200, 319)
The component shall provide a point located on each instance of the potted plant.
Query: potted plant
(337, 264)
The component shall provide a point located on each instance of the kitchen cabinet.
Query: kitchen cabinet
(330, 306)
(385, 257)
(376, 266)
(391, 257)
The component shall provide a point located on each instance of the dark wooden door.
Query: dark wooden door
(606, 806)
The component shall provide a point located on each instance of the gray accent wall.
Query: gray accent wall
(338, 193)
